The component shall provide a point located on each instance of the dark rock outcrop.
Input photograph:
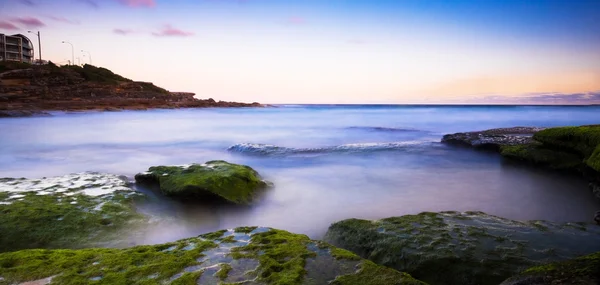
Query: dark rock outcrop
(463, 248)
(494, 138)
(26, 91)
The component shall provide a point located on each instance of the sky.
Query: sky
(331, 51)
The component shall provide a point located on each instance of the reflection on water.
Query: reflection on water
(312, 189)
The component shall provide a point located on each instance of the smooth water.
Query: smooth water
(327, 162)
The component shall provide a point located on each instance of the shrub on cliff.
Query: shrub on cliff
(97, 74)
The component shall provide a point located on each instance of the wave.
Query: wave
(383, 129)
(267, 149)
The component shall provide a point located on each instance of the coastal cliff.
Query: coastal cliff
(29, 90)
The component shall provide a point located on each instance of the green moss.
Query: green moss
(282, 256)
(541, 155)
(340, 253)
(581, 270)
(189, 278)
(213, 235)
(594, 160)
(63, 221)
(244, 229)
(140, 264)
(583, 139)
(218, 179)
(370, 273)
(224, 271)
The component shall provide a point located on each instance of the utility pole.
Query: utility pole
(72, 51)
(89, 54)
(39, 44)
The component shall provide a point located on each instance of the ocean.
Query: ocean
(328, 162)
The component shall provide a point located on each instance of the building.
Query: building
(16, 48)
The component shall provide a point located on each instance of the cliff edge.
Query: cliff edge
(27, 90)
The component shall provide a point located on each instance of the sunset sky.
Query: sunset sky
(330, 51)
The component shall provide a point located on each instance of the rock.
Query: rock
(215, 180)
(462, 248)
(247, 255)
(584, 270)
(595, 187)
(494, 138)
(70, 211)
(21, 113)
(575, 148)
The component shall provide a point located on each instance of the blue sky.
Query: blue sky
(408, 51)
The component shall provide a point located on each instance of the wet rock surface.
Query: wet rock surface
(247, 255)
(70, 211)
(216, 180)
(463, 248)
(583, 270)
(493, 138)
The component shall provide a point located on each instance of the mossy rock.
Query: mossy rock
(215, 180)
(537, 154)
(583, 270)
(71, 211)
(583, 140)
(239, 256)
(462, 248)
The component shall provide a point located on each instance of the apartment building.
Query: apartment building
(16, 48)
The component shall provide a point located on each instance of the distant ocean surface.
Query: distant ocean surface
(328, 162)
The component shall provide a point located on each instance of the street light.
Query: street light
(72, 52)
(89, 54)
(39, 44)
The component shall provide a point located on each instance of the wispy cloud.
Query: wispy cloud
(8, 26)
(553, 98)
(123, 32)
(169, 31)
(138, 3)
(28, 2)
(30, 22)
(295, 20)
(64, 20)
(356, 42)
(91, 3)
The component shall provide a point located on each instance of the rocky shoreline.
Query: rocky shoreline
(55, 230)
(27, 90)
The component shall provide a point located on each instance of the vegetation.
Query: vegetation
(270, 257)
(461, 248)
(582, 270)
(214, 180)
(561, 148)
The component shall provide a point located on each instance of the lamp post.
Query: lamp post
(39, 44)
(89, 54)
(72, 52)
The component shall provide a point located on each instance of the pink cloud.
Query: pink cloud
(138, 3)
(64, 20)
(169, 31)
(296, 20)
(8, 26)
(122, 31)
(30, 22)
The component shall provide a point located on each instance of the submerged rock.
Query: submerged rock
(582, 270)
(247, 255)
(213, 180)
(494, 138)
(70, 211)
(462, 248)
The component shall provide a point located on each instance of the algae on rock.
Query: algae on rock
(70, 211)
(462, 248)
(213, 180)
(579, 271)
(239, 256)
